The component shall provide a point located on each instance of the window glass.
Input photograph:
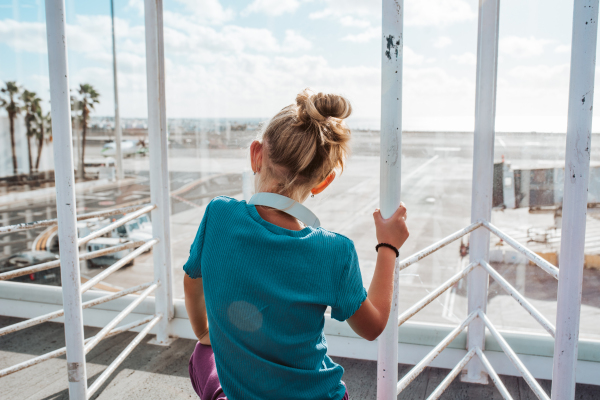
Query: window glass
(232, 65)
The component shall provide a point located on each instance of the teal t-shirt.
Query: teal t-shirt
(266, 290)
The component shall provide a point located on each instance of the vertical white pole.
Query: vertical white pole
(483, 172)
(391, 152)
(577, 162)
(118, 135)
(65, 196)
(159, 170)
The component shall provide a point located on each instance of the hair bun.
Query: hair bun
(318, 107)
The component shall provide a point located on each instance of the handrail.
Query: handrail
(82, 256)
(417, 369)
(495, 378)
(51, 222)
(452, 375)
(59, 313)
(121, 357)
(530, 255)
(406, 315)
(116, 224)
(533, 384)
(102, 334)
(438, 245)
(63, 350)
(547, 325)
(117, 265)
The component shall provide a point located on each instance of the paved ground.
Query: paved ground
(436, 187)
(155, 372)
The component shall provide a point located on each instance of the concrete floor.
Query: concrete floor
(155, 372)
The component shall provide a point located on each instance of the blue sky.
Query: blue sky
(250, 58)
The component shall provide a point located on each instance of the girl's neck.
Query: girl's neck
(279, 218)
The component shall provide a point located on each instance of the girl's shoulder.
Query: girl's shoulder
(223, 203)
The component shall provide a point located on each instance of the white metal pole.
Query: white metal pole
(65, 196)
(483, 172)
(159, 170)
(391, 153)
(577, 162)
(118, 135)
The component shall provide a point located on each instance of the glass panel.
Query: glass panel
(533, 88)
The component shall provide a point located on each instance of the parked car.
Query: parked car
(109, 259)
(29, 258)
(133, 231)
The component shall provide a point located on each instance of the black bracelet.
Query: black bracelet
(389, 246)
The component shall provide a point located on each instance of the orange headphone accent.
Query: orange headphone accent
(321, 186)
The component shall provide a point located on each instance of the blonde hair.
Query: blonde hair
(304, 143)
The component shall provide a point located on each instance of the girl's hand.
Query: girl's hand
(392, 230)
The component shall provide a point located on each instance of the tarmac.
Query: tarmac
(436, 187)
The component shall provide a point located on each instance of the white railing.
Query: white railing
(479, 314)
(76, 346)
(110, 329)
(581, 93)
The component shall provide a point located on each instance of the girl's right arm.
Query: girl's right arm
(372, 316)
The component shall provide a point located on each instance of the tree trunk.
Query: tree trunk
(83, 132)
(29, 153)
(39, 149)
(11, 119)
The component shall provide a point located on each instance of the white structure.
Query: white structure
(162, 316)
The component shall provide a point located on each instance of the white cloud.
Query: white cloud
(23, 36)
(272, 7)
(563, 48)
(437, 12)
(208, 11)
(136, 5)
(442, 42)
(295, 42)
(467, 58)
(522, 47)
(364, 36)
(349, 20)
(412, 58)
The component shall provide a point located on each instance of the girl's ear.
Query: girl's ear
(321, 186)
(256, 149)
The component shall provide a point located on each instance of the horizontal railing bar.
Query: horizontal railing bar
(406, 315)
(63, 350)
(59, 313)
(51, 222)
(452, 375)
(121, 357)
(126, 311)
(82, 256)
(533, 384)
(438, 245)
(116, 224)
(547, 325)
(492, 372)
(119, 264)
(417, 369)
(530, 255)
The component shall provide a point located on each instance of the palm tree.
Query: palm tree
(31, 105)
(44, 128)
(11, 90)
(87, 101)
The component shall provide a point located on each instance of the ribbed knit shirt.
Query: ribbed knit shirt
(266, 290)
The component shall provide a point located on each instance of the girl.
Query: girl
(261, 274)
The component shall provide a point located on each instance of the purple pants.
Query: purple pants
(203, 373)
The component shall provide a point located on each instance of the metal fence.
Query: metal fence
(475, 364)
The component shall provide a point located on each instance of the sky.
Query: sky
(241, 59)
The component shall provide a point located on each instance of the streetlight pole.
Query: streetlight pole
(118, 135)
